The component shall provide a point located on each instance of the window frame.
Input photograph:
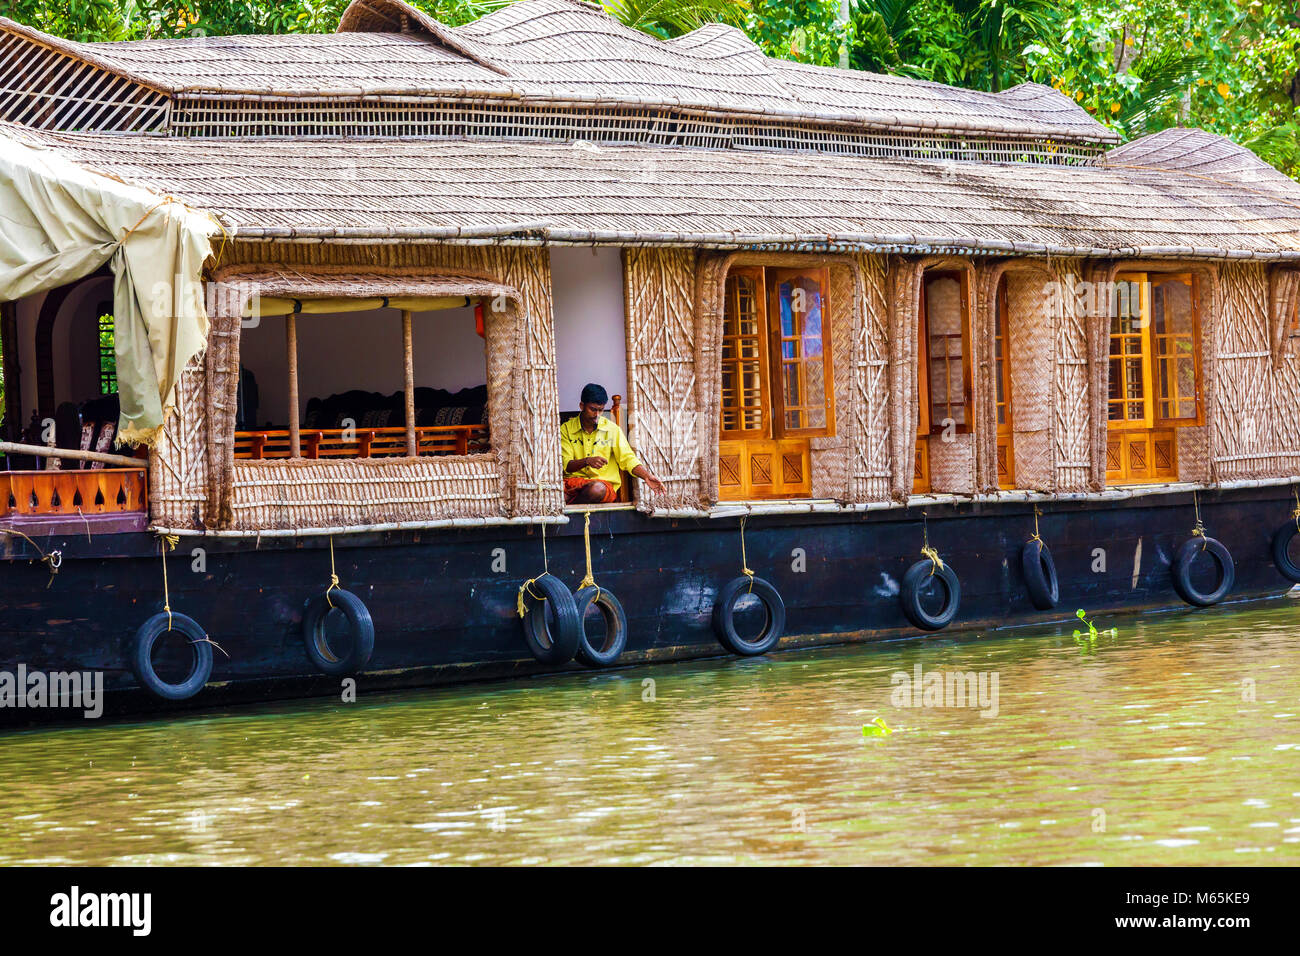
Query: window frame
(775, 276)
(769, 279)
(1198, 385)
(1152, 419)
(925, 419)
(756, 274)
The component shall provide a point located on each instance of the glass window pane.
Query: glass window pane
(803, 376)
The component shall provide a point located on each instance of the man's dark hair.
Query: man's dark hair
(593, 394)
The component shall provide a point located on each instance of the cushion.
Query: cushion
(452, 415)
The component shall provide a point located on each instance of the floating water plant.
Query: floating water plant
(1090, 636)
(876, 728)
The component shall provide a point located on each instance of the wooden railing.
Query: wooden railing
(109, 491)
(362, 442)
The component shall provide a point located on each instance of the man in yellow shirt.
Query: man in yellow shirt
(594, 451)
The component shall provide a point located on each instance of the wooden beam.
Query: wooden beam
(45, 451)
(11, 370)
(291, 349)
(408, 356)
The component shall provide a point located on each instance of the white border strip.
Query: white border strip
(368, 528)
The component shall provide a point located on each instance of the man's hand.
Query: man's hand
(642, 472)
(580, 463)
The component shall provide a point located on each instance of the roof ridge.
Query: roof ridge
(361, 16)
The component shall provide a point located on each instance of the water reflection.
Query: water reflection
(1151, 747)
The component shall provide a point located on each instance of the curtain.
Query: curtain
(59, 222)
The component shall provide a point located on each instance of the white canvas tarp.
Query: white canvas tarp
(59, 222)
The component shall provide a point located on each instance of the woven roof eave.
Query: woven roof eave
(467, 95)
(539, 234)
(68, 48)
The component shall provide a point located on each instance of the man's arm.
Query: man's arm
(655, 484)
(628, 461)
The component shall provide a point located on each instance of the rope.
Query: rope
(1199, 530)
(590, 580)
(162, 202)
(1296, 513)
(527, 586)
(334, 578)
(1036, 537)
(744, 558)
(53, 560)
(166, 543)
(936, 562)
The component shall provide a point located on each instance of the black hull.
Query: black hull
(443, 615)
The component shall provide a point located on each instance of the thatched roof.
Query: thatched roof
(1177, 193)
(552, 51)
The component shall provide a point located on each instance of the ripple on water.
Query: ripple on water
(1142, 752)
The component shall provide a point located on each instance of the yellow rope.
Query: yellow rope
(527, 586)
(1296, 513)
(167, 595)
(1037, 537)
(744, 558)
(936, 562)
(590, 580)
(1199, 529)
(334, 578)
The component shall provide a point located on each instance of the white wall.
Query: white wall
(590, 328)
(363, 350)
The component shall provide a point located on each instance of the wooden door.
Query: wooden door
(777, 389)
(1140, 445)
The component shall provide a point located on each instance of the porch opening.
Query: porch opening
(777, 384)
(362, 378)
(60, 414)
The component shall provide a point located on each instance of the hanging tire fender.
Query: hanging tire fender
(316, 641)
(141, 656)
(1182, 571)
(615, 627)
(909, 595)
(1282, 554)
(1040, 574)
(724, 616)
(550, 642)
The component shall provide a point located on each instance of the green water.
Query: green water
(1147, 749)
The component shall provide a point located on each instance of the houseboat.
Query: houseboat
(291, 325)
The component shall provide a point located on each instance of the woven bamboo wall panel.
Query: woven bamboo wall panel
(871, 422)
(1193, 453)
(952, 464)
(333, 493)
(1080, 449)
(1033, 316)
(1031, 333)
(663, 407)
(178, 465)
(1245, 427)
(904, 303)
